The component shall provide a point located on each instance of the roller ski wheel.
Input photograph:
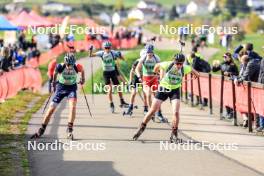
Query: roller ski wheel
(70, 136)
(127, 113)
(175, 139)
(124, 104)
(259, 133)
(38, 134)
(139, 132)
(163, 120)
(35, 136)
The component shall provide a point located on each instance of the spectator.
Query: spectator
(249, 72)
(252, 54)
(1, 43)
(6, 61)
(248, 50)
(227, 68)
(261, 80)
(249, 69)
(200, 65)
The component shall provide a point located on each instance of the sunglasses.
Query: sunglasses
(179, 63)
(107, 48)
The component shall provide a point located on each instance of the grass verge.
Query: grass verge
(13, 156)
(13, 153)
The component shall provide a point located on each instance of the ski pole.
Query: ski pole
(86, 101)
(46, 104)
(90, 54)
(182, 45)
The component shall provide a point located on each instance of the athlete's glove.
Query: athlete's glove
(82, 81)
(91, 47)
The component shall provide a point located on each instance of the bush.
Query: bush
(255, 23)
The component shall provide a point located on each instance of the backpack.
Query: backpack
(111, 55)
(75, 68)
(145, 58)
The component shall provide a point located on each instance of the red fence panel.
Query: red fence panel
(227, 94)
(257, 100)
(241, 98)
(216, 88)
(15, 80)
(3, 87)
(204, 83)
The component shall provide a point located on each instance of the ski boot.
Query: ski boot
(112, 107)
(123, 104)
(129, 111)
(39, 133)
(145, 110)
(161, 118)
(174, 136)
(69, 133)
(139, 132)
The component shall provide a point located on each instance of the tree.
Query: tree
(119, 5)
(173, 13)
(234, 6)
(255, 23)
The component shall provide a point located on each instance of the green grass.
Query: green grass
(125, 66)
(11, 141)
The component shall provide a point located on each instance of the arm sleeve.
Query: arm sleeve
(58, 68)
(99, 53)
(187, 69)
(247, 74)
(79, 67)
(215, 69)
(135, 64)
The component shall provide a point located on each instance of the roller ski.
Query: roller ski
(161, 118)
(129, 111)
(39, 133)
(174, 137)
(123, 104)
(69, 133)
(139, 132)
(260, 131)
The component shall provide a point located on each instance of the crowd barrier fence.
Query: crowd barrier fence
(246, 97)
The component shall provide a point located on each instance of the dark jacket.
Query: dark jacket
(261, 72)
(6, 64)
(250, 72)
(231, 68)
